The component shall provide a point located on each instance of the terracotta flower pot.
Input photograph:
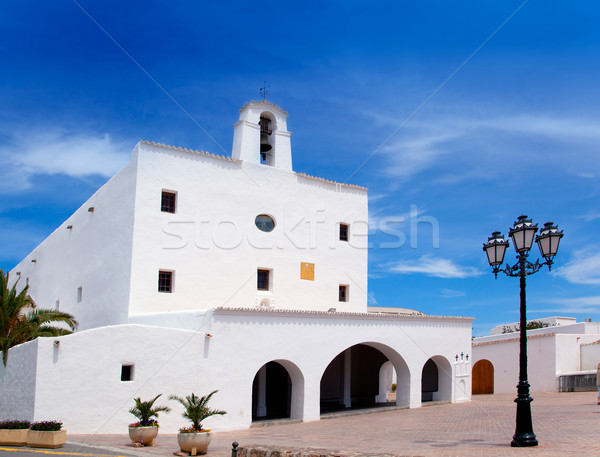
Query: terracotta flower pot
(51, 440)
(13, 437)
(143, 435)
(194, 443)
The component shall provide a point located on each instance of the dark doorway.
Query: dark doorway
(271, 393)
(429, 381)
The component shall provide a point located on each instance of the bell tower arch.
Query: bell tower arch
(261, 136)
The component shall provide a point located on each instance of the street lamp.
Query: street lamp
(522, 235)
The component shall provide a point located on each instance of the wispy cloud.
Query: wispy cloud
(573, 305)
(448, 143)
(591, 216)
(451, 293)
(432, 266)
(583, 268)
(52, 152)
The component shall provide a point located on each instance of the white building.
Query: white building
(194, 272)
(564, 348)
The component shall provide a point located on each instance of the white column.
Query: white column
(347, 377)
(261, 410)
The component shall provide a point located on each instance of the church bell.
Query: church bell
(265, 146)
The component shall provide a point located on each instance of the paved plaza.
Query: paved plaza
(565, 424)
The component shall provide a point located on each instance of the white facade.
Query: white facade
(304, 338)
(552, 351)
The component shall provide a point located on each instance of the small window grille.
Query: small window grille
(165, 281)
(344, 232)
(262, 277)
(167, 204)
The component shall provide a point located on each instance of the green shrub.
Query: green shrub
(14, 425)
(46, 426)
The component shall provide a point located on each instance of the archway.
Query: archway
(357, 378)
(483, 377)
(277, 391)
(436, 380)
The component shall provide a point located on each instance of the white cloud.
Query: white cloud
(58, 152)
(583, 268)
(433, 266)
(573, 305)
(451, 293)
(591, 216)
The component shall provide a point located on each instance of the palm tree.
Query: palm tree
(22, 321)
(145, 410)
(196, 409)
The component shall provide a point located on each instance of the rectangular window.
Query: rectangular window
(344, 229)
(57, 305)
(262, 277)
(167, 204)
(343, 293)
(165, 281)
(79, 294)
(127, 372)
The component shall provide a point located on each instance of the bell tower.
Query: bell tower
(261, 136)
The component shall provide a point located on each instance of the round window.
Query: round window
(265, 223)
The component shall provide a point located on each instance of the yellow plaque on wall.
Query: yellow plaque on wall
(307, 271)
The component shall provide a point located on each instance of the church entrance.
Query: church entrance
(483, 377)
(271, 393)
(357, 378)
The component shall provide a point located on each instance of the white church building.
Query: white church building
(192, 272)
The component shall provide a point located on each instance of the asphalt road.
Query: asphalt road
(75, 450)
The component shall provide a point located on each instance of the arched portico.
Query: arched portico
(436, 380)
(353, 378)
(278, 391)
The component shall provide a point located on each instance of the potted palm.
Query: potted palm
(195, 439)
(144, 431)
(14, 433)
(47, 434)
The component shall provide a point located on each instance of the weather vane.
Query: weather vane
(263, 90)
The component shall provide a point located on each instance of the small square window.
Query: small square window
(344, 229)
(167, 204)
(165, 281)
(343, 293)
(127, 372)
(262, 277)
(79, 294)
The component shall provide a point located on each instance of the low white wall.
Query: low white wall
(504, 355)
(590, 356)
(78, 381)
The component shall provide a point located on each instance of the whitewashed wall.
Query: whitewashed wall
(78, 381)
(18, 382)
(214, 247)
(94, 255)
(590, 355)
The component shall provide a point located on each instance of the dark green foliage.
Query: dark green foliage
(531, 325)
(196, 408)
(46, 426)
(22, 321)
(14, 425)
(145, 411)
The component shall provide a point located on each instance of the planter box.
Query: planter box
(194, 443)
(50, 440)
(13, 437)
(143, 435)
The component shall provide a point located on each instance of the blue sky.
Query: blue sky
(472, 113)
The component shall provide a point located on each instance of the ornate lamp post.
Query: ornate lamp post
(522, 235)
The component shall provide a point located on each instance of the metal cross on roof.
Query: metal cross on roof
(263, 90)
